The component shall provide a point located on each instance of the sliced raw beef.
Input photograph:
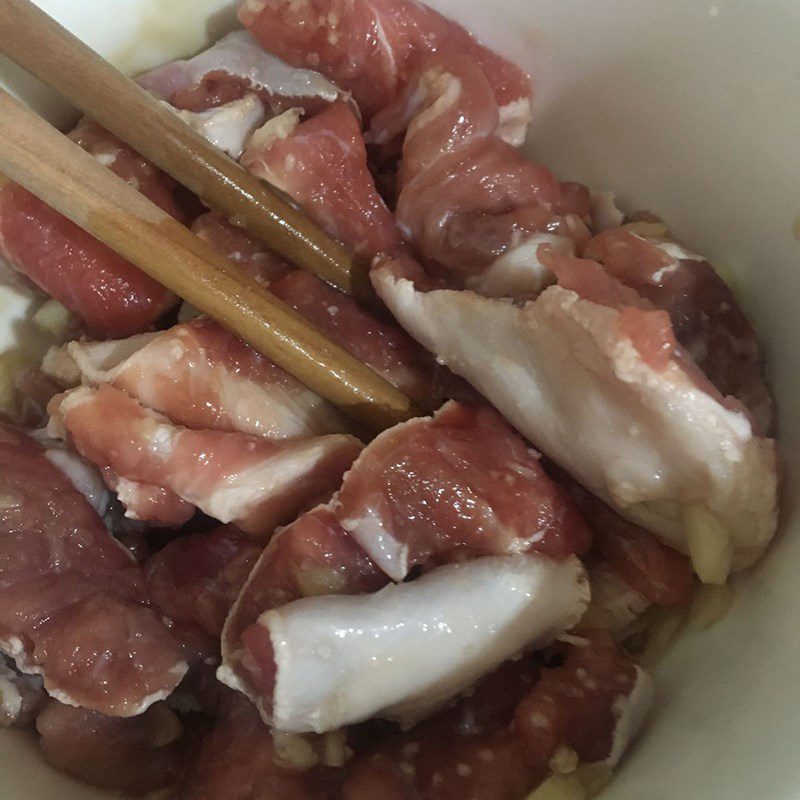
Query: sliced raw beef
(671, 454)
(254, 482)
(706, 316)
(201, 376)
(474, 207)
(370, 47)
(109, 294)
(73, 602)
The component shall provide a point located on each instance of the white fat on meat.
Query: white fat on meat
(605, 213)
(662, 452)
(91, 362)
(615, 605)
(519, 271)
(262, 407)
(273, 130)
(631, 711)
(243, 494)
(404, 651)
(230, 126)
(256, 493)
(514, 119)
(378, 539)
(21, 696)
(238, 54)
(82, 474)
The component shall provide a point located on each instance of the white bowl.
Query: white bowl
(689, 109)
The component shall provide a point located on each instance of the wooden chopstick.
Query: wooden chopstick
(48, 164)
(38, 44)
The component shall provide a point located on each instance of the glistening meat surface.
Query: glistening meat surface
(73, 603)
(706, 316)
(430, 491)
(202, 376)
(321, 163)
(474, 207)
(109, 294)
(406, 650)
(668, 456)
(254, 482)
(231, 68)
(313, 556)
(454, 486)
(370, 47)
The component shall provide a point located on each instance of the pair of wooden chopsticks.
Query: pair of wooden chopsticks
(48, 164)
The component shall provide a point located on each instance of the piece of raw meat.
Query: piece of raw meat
(321, 163)
(73, 602)
(202, 376)
(706, 316)
(600, 390)
(370, 47)
(254, 482)
(320, 663)
(476, 209)
(432, 491)
(458, 485)
(194, 580)
(110, 295)
(134, 756)
(230, 69)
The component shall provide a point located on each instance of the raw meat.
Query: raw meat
(311, 557)
(455, 486)
(405, 651)
(254, 482)
(495, 745)
(237, 761)
(233, 67)
(654, 570)
(202, 376)
(321, 163)
(195, 579)
(706, 317)
(109, 294)
(147, 502)
(594, 703)
(370, 47)
(427, 492)
(668, 455)
(73, 604)
(134, 756)
(474, 207)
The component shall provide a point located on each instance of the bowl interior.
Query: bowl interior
(687, 109)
